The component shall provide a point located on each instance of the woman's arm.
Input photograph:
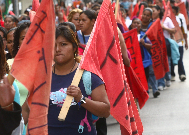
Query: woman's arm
(25, 112)
(99, 105)
(126, 60)
(171, 31)
(148, 46)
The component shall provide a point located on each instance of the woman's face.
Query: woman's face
(86, 25)
(64, 51)
(75, 20)
(10, 39)
(9, 24)
(155, 13)
(146, 16)
(22, 36)
(136, 24)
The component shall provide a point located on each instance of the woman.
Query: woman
(145, 47)
(168, 29)
(87, 20)
(3, 71)
(19, 36)
(74, 17)
(82, 108)
(10, 40)
(10, 22)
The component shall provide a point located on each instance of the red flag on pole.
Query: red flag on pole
(135, 74)
(35, 5)
(158, 50)
(134, 13)
(141, 11)
(33, 66)
(178, 36)
(182, 10)
(138, 90)
(102, 56)
(131, 40)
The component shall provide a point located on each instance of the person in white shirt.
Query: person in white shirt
(168, 28)
(182, 24)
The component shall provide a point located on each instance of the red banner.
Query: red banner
(141, 11)
(102, 56)
(158, 50)
(182, 10)
(134, 13)
(131, 41)
(33, 66)
(178, 36)
(35, 5)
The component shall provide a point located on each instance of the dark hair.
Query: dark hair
(176, 9)
(130, 27)
(95, 7)
(11, 30)
(69, 24)
(4, 32)
(17, 33)
(160, 1)
(143, 3)
(161, 12)
(10, 16)
(91, 14)
(148, 9)
(3, 64)
(68, 33)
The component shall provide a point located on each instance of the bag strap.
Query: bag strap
(87, 82)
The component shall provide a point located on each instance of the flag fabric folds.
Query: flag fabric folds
(178, 36)
(35, 5)
(134, 13)
(137, 88)
(131, 40)
(33, 66)
(102, 56)
(141, 11)
(158, 50)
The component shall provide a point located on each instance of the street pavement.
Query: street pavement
(166, 115)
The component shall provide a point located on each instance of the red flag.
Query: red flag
(33, 66)
(138, 90)
(32, 15)
(182, 10)
(35, 5)
(102, 56)
(164, 4)
(131, 40)
(158, 50)
(141, 11)
(64, 16)
(134, 13)
(178, 36)
(119, 18)
(11, 13)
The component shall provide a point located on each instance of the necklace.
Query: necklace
(70, 70)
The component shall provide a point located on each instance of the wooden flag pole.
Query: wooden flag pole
(10, 78)
(116, 10)
(68, 100)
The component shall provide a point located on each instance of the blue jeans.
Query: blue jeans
(167, 77)
(181, 70)
(152, 79)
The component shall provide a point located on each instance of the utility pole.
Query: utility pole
(15, 7)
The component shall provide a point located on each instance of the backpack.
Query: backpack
(86, 77)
